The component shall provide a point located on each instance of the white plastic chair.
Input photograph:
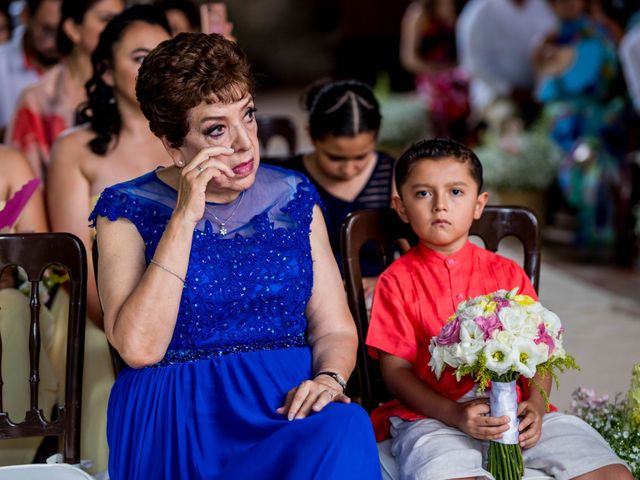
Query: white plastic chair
(43, 471)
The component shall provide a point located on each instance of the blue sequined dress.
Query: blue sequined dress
(207, 410)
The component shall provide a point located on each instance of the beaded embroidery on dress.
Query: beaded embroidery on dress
(268, 248)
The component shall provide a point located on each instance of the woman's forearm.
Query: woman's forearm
(335, 352)
(144, 326)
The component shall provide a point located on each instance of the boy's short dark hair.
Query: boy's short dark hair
(436, 149)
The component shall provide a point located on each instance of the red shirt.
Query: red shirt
(414, 298)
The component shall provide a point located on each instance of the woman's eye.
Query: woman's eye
(139, 59)
(214, 131)
(251, 114)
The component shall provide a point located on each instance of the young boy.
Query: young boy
(439, 429)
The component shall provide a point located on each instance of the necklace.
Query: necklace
(223, 223)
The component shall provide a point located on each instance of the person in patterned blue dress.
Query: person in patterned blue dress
(221, 293)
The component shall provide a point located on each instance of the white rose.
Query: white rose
(467, 352)
(551, 322)
(503, 337)
(512, 319)
(470, 312)
(449, 356)
(529, 328)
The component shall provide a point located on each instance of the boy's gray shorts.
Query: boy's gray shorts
(428, 448)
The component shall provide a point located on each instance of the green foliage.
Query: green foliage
(609, 418)
(617, 420)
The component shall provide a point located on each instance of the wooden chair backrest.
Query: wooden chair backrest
(277, 126)
(383, 227)
(35, 252)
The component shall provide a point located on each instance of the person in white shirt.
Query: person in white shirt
(496, 41)
(30, 52)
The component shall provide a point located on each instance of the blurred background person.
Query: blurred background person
(113, 146)
(496, 41)
(30, 52)
(49, 106)
(582, 95)
(182, 15)
(428, 50)
(15, 172)
(6, 22)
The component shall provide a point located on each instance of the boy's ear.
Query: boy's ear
(398, 206)
(481, 202)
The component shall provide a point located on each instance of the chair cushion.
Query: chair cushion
(390, 470)
(61, 471)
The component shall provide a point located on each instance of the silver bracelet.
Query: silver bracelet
(336, 376)
(169, 271)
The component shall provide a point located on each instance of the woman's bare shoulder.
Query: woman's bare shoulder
(13, 163)
(15, 171)
(72, 146)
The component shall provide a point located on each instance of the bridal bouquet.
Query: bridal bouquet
(496, 338)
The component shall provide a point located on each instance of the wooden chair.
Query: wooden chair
(117, 363)
(384, 228)
(276, 126)
(34, 253)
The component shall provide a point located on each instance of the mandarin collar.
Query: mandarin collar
(431, 256)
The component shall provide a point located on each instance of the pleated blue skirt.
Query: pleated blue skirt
(216, 419)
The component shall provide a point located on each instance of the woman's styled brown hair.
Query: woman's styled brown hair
(181, 73)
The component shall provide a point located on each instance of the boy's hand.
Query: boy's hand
(531, 413)
(473, 419)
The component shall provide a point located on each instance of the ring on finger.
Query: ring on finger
(199, 168)
(331, 393)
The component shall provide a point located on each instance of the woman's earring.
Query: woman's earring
(180, 163)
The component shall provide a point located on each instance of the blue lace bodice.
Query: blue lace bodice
(246, 290)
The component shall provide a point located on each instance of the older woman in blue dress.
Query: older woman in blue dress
(221, 292)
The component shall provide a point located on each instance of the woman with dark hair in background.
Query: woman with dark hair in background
(115, 145)
(344, 165)
(428, 50)
(48, 107)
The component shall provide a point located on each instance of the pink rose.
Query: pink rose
(450, 333)
(544, 337)
(488, 325)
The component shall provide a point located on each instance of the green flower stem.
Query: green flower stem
(505, 461)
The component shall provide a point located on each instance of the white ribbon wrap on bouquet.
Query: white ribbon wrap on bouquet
(504, 401)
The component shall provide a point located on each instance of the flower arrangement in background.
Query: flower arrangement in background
(497, 338)
(617, 420)
(518, 159)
